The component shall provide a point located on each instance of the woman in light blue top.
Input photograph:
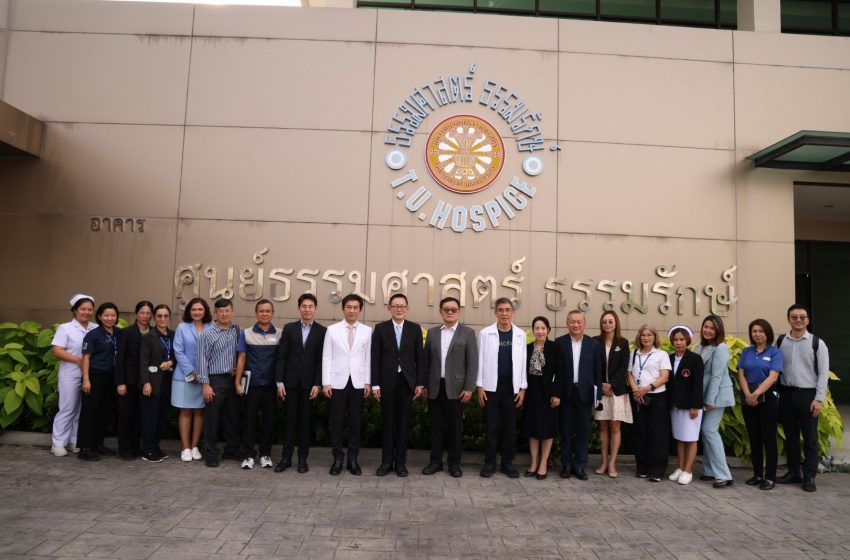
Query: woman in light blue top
(717, 395)
(186, 392)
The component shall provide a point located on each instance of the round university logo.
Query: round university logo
(464, 154)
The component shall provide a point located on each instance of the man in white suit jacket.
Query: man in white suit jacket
(346, 379)
(501, 385)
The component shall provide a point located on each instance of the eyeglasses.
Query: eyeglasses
(450, 309)
(161, 316)
(398, 307)
(799, 317)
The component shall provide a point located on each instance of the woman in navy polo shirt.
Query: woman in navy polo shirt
(100, 349)
(758, 369)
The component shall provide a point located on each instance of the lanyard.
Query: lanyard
(165, 341)
(112, 340)
(641, 364)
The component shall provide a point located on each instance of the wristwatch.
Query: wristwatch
(651, 386)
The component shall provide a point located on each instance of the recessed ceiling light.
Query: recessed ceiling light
(829, 205)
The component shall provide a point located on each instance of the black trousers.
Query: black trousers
(445, 414)
(224, 411)
(299, 422)
(575, 419)
(796, 417)
(652, 435)
(153, 411)
(346, 401)
(761, 427)
(95, 410)
(500, 405)
(395, 420)
(259, 399)
(129, 422)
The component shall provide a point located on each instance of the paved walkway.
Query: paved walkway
(63, 507)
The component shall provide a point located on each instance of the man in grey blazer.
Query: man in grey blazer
(451, 363)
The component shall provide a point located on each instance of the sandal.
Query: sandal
(613, 474)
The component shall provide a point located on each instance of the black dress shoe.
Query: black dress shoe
(809, 484)
(105, 451)
(336, 468)
(791, 477)
(454, 471)
(401, 471)
(565, 471)
(88, 455)
(754, 481)
(542, 476)
(431, 468)
(767, 485)
(302, 467)
(354, 467)
(580, 474)
(529, 473)
(487, 471)
(127, 456)
(725, 483)
(283, 465)
(509, 470)
(382, 470)
(211, 460)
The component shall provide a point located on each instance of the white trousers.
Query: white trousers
(70, 399)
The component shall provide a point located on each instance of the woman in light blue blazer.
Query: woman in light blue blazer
(186, 393)
(717, 395)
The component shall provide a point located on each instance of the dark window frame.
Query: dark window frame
(833, 29)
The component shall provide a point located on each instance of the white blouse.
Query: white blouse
(646, 368)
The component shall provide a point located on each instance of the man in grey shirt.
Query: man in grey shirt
(802, 390)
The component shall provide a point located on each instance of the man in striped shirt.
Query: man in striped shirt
(216, 364)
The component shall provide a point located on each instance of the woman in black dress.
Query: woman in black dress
(540, 417)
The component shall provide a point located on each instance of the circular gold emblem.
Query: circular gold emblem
(464, 154)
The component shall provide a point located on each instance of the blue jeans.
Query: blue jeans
(714, 456)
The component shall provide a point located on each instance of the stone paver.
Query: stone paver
(65, 508)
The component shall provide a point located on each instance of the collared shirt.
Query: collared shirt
(799, 360)
(69, 336)
(446, 336)
(576, 344)
(398, 328)
(260, 349)
(646, 368)
(216, 351)
(102, 349)
(758, 365)
(305, 331)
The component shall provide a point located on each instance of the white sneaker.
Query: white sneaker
(248, 463)
(676, 474)
(73, 448)
(196, 454)
(686, 478)
(266, 462)
(186, 455)
(58, 450)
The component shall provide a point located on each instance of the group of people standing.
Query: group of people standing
(209, 363)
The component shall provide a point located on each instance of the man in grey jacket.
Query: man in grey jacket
(451, 363)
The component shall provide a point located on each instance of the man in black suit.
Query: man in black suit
(397, 380)
(299, 377)
(583, 360)
(451, 364)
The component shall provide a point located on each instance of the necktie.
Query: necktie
(398, 335)
(351, 336)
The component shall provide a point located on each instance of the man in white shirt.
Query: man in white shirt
(501, 385)
(346, 379)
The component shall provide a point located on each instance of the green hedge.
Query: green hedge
(29, 397)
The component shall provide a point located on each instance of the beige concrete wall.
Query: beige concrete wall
(230, 130)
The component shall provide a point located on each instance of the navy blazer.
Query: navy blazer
(591, 362)
(685, 383)
(387, 357)
(300, 364)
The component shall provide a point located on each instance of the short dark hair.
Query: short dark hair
(543, 320)
(352, 297)
(503, 300)
(161, 306)
(798, 306)
(79, 302)
(187, 312)
(683, 331)
(308, 295)
(263, 302)
(222, 303)
(765, 326)
(143, 303)
(399, 295)
(720, 330)
(102, 308)
(447, 299)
